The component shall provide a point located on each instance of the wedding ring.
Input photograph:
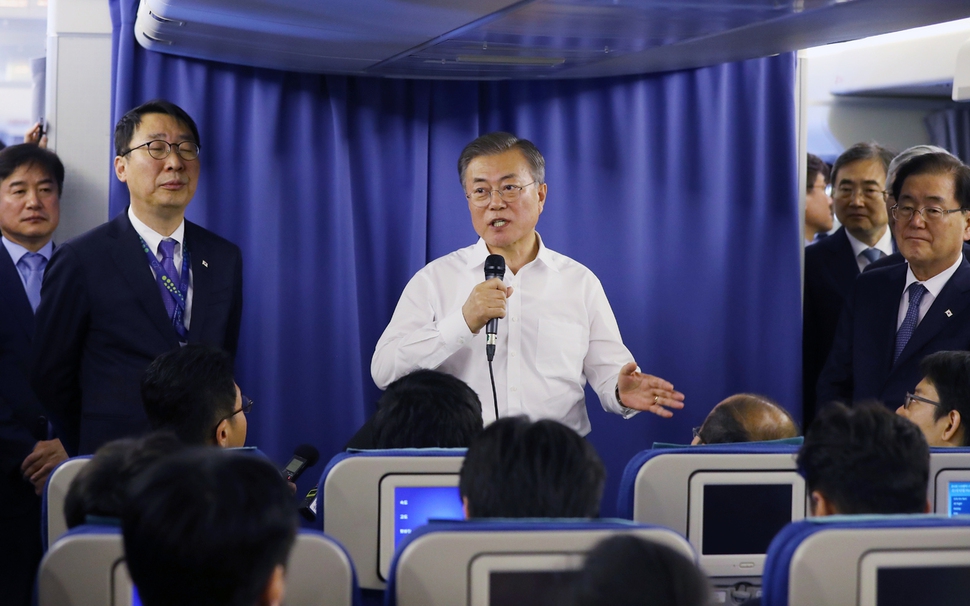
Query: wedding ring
(656, 400)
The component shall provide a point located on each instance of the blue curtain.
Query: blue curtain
(950, 129)
(678, 190)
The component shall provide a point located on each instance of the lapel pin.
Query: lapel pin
(948, 313)
(206, 264)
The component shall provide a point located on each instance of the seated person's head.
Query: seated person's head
(191, 392)
(941, 401)
(746, 417)
(99, 488)
(209, 527)
(625, 570)
(517, 468)
(864, 459)
(427, 409)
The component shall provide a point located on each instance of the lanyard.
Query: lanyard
(179, 294)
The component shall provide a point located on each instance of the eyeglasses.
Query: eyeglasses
(930, 214)
(247, 405)
(509, 192)
(910, 398)
(696, 432)
(848, 192)
(158, 149)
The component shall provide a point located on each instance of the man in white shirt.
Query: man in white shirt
(899, 314)
(144, 283)
(559, 329)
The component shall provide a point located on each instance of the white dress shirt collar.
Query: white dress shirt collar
(152, 238)
(480, 251)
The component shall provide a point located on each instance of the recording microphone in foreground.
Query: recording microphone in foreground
(308, 508)
(304, 457)
(494, 268)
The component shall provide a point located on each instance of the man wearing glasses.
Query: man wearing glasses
(941, 399)
(559, 330)
(833, 263)
(897, 315)
(191, 392)
(142, 284)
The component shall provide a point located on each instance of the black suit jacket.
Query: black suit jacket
(861, 363)
(102, 321)
(22, 420)
(830, 270)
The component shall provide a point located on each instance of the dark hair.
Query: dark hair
(518, 468)
(498, 143)
(427, 409)
(125, 129)
(207, 527)
(28, 154)
(949, 372)
(187, 391)
(625, 570)
(866, 459)
(747, 417)
(816, 166)
(862, 151)
(99, 489)
(936, 164)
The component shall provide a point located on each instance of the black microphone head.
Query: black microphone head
(494, 267)
(311, 454)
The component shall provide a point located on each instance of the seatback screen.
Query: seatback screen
(744, 518)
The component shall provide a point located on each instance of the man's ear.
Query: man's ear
(275, 588)
(121, 169)
(464, 508)
(821, 506)
(954, 428)
(222, 434)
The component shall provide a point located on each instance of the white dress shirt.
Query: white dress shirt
(884, 245)
(933, 287)
(559, 331)
(152, 238)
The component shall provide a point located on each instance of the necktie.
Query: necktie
(167, 250)
(916, 292)
(32, 265)
(872, 254)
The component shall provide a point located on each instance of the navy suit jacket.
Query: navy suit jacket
(830, 270)
(861, 363)
(22, 420)
(102, 321)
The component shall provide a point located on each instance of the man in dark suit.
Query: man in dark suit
(31, 179)
(142, 284)
(897, 315)
(833, 263)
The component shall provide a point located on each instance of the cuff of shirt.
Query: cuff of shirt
(454, 331)
(625, 411)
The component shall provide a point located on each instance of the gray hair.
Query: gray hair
(498, 143)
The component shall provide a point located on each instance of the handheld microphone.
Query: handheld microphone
(304, 457)
(494, 268)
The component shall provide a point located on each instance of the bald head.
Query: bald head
(746, 417)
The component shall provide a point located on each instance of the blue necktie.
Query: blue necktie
(32, 267)
(167, 249)
(916, 292)
(872, 254)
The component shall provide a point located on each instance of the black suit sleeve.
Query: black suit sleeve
(836, 383)
(62, 325)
